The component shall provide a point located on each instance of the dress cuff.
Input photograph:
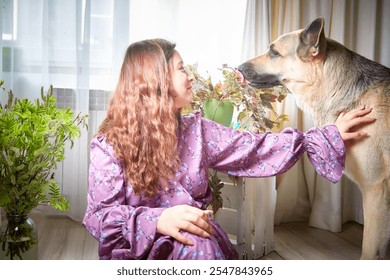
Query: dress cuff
(326, 151)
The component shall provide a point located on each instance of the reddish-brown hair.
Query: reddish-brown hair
(141, 122)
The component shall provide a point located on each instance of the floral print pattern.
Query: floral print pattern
(125, 223)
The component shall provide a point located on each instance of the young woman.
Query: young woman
(149, 166)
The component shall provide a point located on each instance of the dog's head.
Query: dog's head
(291, 60)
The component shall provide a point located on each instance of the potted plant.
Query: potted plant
(253, 109)
(32, 141)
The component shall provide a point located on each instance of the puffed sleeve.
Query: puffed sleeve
(261, 155)
(124, 229)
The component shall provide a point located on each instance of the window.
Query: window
(10, 9)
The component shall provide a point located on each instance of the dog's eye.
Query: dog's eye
(273, 52)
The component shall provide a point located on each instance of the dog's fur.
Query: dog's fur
(326, 79)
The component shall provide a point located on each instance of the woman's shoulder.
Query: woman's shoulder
(100, 148)
(99, 141)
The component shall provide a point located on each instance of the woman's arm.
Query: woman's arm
(261, 155)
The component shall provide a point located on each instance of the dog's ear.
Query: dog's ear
(312, 41)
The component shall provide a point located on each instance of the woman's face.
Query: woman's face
(181, 82)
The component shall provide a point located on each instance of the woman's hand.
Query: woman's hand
(347, 120)
(187, 218)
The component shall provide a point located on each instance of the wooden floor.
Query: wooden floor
(297, 241)
(61, 238)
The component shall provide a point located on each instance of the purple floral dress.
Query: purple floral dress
(125, 224)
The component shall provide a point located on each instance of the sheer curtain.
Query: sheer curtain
(73, 46)
(260, 193)
(362, 26)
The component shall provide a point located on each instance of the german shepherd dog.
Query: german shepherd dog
(327, 78)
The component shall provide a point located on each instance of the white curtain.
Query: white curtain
(260, 193)
(362, 26)
(73, 46)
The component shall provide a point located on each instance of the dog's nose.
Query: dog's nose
(246, 71)
(240, 67)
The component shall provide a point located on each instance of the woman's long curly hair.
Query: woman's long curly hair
(141, 122)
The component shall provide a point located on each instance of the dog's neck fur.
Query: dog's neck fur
(345, 76)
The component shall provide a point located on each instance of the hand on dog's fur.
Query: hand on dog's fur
(346, 121)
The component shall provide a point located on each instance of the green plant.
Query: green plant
(254, 108)
(32, 141)
(33, 138)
